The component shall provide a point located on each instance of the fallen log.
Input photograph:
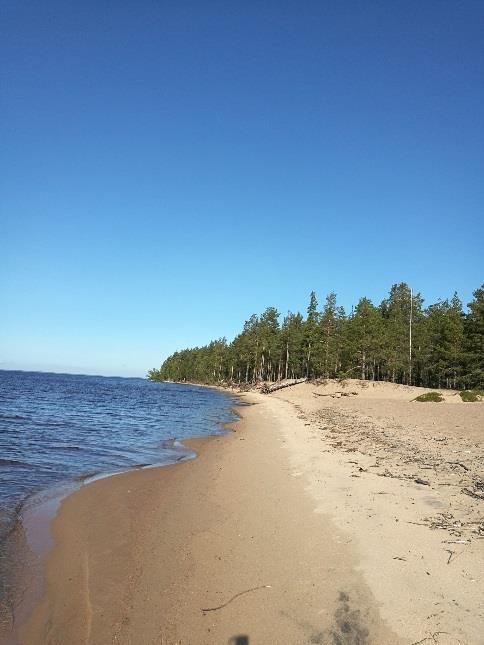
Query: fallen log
(336, 395)
(267, 389)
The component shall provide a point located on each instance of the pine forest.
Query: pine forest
(398, 340)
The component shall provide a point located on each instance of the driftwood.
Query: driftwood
(457, 463)
(267, 389)
(476, 494)
(422, 482)
(241, 593)
(432, 637)
(451, 553)
(337, 395)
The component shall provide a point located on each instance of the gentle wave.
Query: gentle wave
(15, 462)
(57, 428)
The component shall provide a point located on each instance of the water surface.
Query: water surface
(55, 428)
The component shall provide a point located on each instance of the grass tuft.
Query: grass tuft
(430, 397)
(471, 396)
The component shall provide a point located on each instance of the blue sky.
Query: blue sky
(169, 168)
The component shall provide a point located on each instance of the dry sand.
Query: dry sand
(304, 525)
(420, 547)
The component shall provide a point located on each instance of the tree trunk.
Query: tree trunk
(287, 357)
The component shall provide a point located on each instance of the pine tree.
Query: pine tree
(311, 334)
(474, 341)
(397, 312)
(268, 329)
(365, 329)
(328, 328)
(293, 345)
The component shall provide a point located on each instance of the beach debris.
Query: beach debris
(423, 482)
(399, 453)
(237, 595)
(387, 473)
(451, 553)
(267, 389)
(457, 463)
(476, 490)
(432, 637)
(336, 395)
(445, 521)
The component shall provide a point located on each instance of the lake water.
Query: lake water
(56, 428)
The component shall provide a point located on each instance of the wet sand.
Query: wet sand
(274, 535)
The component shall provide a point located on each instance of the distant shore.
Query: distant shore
(305, 524)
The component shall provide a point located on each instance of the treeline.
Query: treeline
(398, 340)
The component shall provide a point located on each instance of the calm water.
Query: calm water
(58, 427)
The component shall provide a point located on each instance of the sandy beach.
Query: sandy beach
(332, 513)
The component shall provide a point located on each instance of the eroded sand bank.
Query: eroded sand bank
(305, 525)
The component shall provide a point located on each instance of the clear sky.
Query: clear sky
(169, 168)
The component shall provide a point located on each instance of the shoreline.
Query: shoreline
(30, 541)
(28, 548)
(271, 533)
(25, 520)
(190, 537)
(36, 541)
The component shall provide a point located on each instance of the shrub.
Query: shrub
(471, 396)
(430, 397)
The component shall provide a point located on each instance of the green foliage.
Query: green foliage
(398, 341)
(430, 397)
(311, 337)
(474, 341)
(364, 339)
(471, 396)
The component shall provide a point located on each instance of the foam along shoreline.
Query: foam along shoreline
(271, 535)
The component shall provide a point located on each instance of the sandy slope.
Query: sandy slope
(303, 526)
